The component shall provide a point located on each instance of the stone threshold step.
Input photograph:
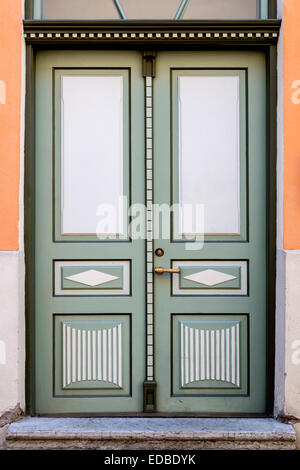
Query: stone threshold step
(150, 433)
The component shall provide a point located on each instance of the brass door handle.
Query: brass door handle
(160, 270)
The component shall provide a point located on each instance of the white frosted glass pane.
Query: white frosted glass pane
(80, 9)
(221, 9)
(92, 152)
(209, 154)
(150, 9)
(106, 9)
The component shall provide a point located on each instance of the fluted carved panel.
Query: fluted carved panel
(210, 354)
(92, 355)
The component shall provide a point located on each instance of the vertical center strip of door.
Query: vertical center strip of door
(149, 200)
(149, 385)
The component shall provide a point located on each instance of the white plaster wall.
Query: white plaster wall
(12, 347)
(279, 393)
(292, 359)
(280, 343)
(287, 377)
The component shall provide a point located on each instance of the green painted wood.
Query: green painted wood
(29, 224)
(190, 284)
(272, 10)
(104, 71)
(37, 32)
(243, 147)
(52, 311)
(271, 210)
(92, 356)
(253, 248)
(28, 9)
(203, 373)
(171, 312)
(67, 271)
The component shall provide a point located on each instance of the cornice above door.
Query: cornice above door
(141, 33)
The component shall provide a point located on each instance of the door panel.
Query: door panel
(213, 173)
(92, 118)
(89, 289)
(214, 278)
(210, 352)
(92, 356)
(94, 110)
(210, 317)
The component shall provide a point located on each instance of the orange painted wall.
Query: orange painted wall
(10, 114)
(291, 80)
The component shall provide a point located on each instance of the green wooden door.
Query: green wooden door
(90, 282)
(202, 153)
(210, 149)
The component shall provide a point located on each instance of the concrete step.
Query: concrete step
(150, 433)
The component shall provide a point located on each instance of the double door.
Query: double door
(150, 233)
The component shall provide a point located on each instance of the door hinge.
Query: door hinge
(149, 63)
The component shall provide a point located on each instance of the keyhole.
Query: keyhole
(159, 252)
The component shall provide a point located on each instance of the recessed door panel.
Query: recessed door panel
(209, 149)
(92, 147)
(92, 355)
(212, 357)
(209, 122)
(92, 161)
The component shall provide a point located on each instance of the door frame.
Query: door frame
(259, 35)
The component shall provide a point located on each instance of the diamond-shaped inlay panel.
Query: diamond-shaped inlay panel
(92, 278)
(210, 277)
(206, 277)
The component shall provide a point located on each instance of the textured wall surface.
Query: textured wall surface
(10, 120)
(12, 328)
(291, 93)
(292, 361)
